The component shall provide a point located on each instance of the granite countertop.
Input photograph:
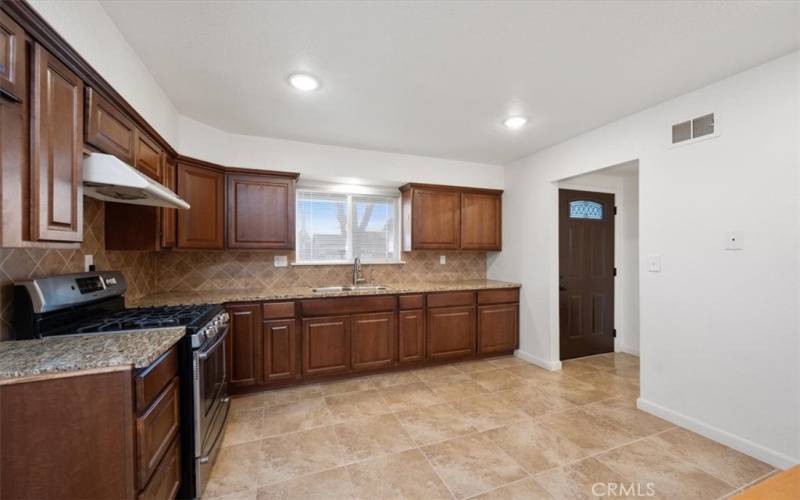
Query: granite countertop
(289, 293)
(23, 358)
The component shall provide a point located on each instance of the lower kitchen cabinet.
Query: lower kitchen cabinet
(287, 342)
(497, 328)
(372, 340)
(451, 332)
(279, 350)
(243, 348)
(411, 336)
(326, 345)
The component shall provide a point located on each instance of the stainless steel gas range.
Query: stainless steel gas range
(93, 303)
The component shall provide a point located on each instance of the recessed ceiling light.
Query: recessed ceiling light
(515, 122)
(303, 82)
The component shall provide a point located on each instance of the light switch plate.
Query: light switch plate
(88, 260)
(443, 259)
(654, 263)
(281, 261)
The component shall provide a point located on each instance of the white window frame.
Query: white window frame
(350, 192)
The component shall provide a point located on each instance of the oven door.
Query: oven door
(210, 388)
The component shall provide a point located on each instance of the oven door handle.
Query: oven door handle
(205, 354)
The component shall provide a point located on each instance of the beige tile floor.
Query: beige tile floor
(498, 428)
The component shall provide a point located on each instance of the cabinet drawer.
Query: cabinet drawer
(155, 430)
(150, 380)
(167, 478)
(278, 310)
(412, 301)
(348, 305)
(451, 299)
(505, 296)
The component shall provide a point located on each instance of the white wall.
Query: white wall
(87, 27)
(623, 182)
(720, 331)
(323, 162)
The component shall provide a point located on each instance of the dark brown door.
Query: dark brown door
(586, 273)
(436, 219)
(411, 333)
(373, 338)
(480, 221)
(279, 350)
(451, 332)
(56, 175)
(497, 328)
(260, 212)
(243, 345)
(326, 345)
(203, 189)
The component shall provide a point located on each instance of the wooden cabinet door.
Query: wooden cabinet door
(411, 336)
(498, 329)
(451, 332)
(108, 129)
(372, 340)
(279, 350)
(202, 225)
(260, 211)
(326, 345)
(57, 145)
(244, 345)
(148, 156)
(436, 219)
(169, 215)
(481, 221)
(13, 77)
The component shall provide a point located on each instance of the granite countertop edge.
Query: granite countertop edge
(72, 353)
(223, 296)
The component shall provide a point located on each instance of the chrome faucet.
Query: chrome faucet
(357, 279)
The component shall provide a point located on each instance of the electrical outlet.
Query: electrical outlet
(443, 259)
(733, 240)
(88, 260)
(654, 263)
(281, 261)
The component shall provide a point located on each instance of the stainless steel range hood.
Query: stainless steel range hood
(108, 178)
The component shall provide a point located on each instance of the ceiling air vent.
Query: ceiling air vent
(693, 129)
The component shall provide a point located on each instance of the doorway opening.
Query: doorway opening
(598, 268)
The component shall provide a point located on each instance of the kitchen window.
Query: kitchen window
(335, 227)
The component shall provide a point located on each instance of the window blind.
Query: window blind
(336, 227)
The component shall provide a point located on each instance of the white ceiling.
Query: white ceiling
(437, 78)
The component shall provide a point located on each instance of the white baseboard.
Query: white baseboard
(530, 358)
(628, 349)
(772, 457)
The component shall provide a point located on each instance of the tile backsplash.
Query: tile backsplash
(25, 263)
(198, 270)
(150, 272)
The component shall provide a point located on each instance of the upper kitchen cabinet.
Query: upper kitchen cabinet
(481, 221)
(203, 188)
(431, 217)
(57, 146)
(148, 156)
(13, 77)
(108, 129)
(169, 215)
(451, 218)
(260, 210)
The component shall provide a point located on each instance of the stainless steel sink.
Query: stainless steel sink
(348, 288)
